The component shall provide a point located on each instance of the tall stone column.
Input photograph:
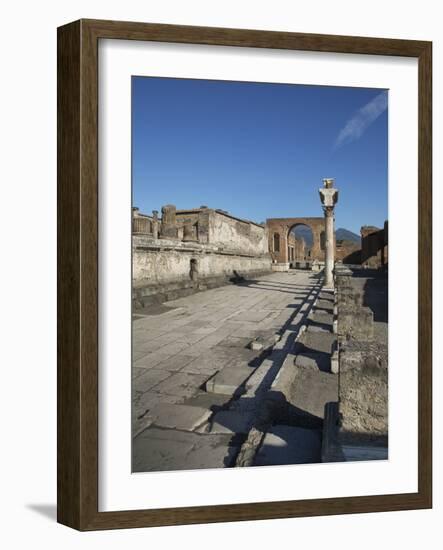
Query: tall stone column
(329, 197)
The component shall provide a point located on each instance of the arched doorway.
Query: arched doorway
(300, 241)
(279, 230)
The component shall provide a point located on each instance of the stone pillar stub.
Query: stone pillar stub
(189, 232)
(169, 222)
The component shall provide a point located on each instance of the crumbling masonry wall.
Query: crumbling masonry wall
(374, 246)
(363, 363)
(185, 251)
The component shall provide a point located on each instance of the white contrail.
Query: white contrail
(364, 117)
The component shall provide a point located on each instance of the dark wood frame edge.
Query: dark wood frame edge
(77, 316)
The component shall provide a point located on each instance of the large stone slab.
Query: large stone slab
(179, 417)
(181, 384)
(229, 380)
(149, 379)
(289, 445)
(251, 316)
(231, 422)
(205, 364)
(175, 363)
(212, 401)
(156, 449)
(234, 342)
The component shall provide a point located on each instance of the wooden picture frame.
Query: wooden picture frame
(78, 274)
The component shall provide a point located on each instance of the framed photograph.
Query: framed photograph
(244, 274)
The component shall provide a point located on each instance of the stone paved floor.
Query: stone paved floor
(177, 424)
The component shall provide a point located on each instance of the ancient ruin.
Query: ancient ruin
(254, 347)
(188, 251)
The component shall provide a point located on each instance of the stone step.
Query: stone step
(319, 316)
(325, 305)
(308, 342)
(327, 296)
(320, 321)
(229, 380)
(314, 360)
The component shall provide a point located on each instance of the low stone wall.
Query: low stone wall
(165, 270)
(357, 426)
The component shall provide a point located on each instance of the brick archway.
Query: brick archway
(283, 226)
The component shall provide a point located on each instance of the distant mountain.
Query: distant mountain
(303, 232)
(342, 234)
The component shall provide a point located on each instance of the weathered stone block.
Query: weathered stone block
(355, 322)
(314, 360)
(257, 344)
(179, 417)
(229, 380)
(312, 342)
(363, 392)
(311, 390)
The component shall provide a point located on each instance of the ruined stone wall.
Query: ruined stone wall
(348, 252)
(238, 235)
(374, 246)
(193, 250)
(141, 223)
(154, 264)
(363, 357)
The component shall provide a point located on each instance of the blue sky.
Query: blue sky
(259, 150)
